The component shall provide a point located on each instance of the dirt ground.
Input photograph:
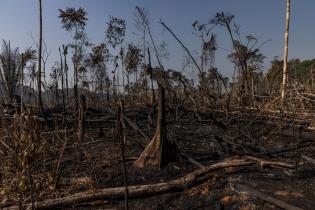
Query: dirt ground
(96, 163)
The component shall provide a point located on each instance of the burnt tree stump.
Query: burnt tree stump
(160, 150)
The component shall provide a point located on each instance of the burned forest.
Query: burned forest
(148, 112)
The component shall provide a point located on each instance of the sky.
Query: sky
(262, 18)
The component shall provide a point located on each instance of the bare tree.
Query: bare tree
(141, 21)
(62, 81)
(286, 46)
(39, 79)
(45, 55)
(65, 52)
(55, 75)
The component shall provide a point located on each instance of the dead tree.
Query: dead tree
(151, 77)
(286, 45)
(22, 81)
(81, 118)
(62, 85)
(120, 125)
(65, 52)
(160, 150)
(39, 82)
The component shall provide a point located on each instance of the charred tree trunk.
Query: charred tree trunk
(75, 88)
(39, 80)
(22, 82)
(65, 52)
(81, 118)
(160, 150)
(151, 77)
(120, 126)
(56, 91)
(62, 83)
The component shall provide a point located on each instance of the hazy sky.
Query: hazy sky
(262, 18)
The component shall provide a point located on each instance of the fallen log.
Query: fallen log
(138, 191)
(243, 145)
(308, 159)
(263, 162)
(251, 191)
(299, 145)
(192, 161)
(136, 128)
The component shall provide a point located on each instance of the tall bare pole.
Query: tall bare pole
(286, 46)
(62, 83)
(22, 82)
(65, 52)
(39, 81)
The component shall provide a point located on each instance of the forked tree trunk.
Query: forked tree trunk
(285, 57)
(160, 150)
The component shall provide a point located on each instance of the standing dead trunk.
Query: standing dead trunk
(286, 46)
(62, 86)
(312, 79)
(122, 71)
(65, 52)
(120, 126)
(75, 88)
(151, 77)
(81, 118)
(22, 82)
(39, 81)
(160, 150)
(56, 91)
